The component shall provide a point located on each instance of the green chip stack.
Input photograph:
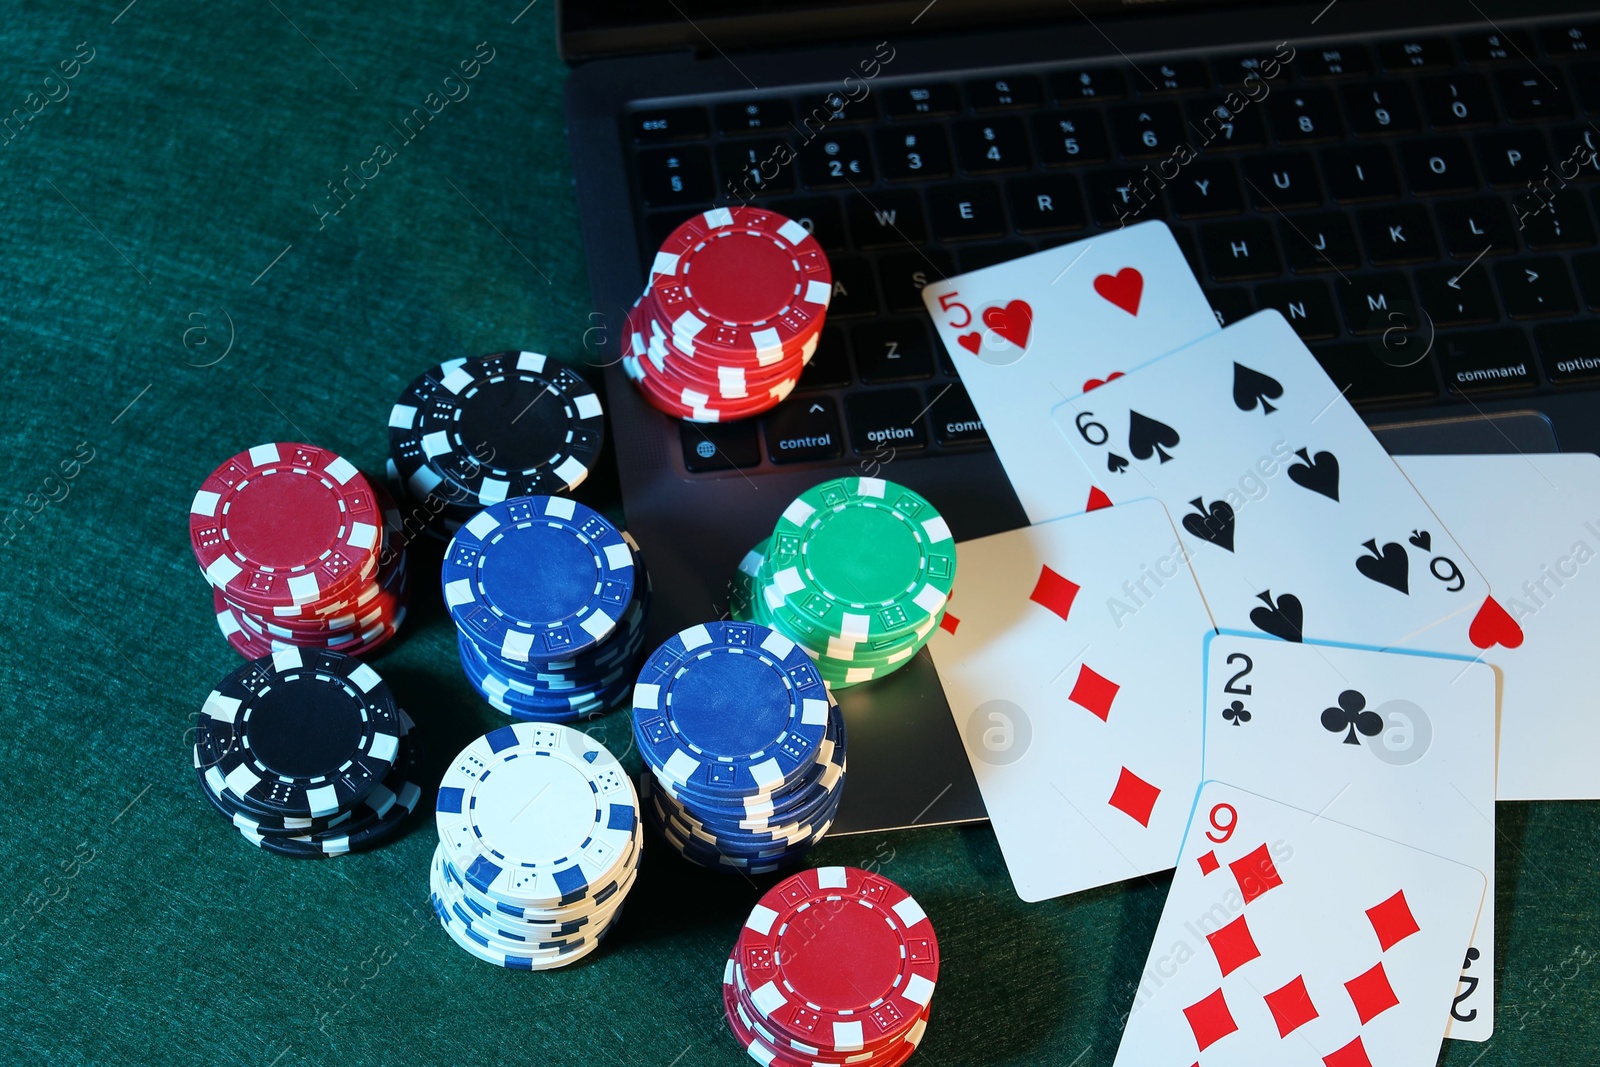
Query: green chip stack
(857, 572)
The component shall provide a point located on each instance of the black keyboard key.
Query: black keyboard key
(905, 274)
(1586, 84)
(1304, 117)
(1232, 72)
(1282, 182)
(840, 107)
(1305, 304)
(839, 159)
(1570, 351)
(820, 215)
(1571, 38)
(1014, 90)
(1323, 241)
(1191, 251)
(1495, 46)
(1214, 127)
(1458, 295)
(1457, 101)
(1373, 303)
(801, 429)
(855, 288)
(913, 153)
(1380, 109)
(977, 257)
(830, 363)
(1536, 288)
(1438, 165)
(885, 419)
(1046, 203)
(1587, 268)
(991, 145)
(1486, 361)
(1556, 221)
(1230, 305)
(719, 446)
(746, 116)
(1416, 53)
(1577, 151)
(1235, 251)
(1369, 373)
(1360, 172)
(966, 212)
(1334, 61)
(921, 100)
(892, 350)
(1534, 94)
(1069, 137)
(1206, 188)
(675, 177)
(755, 168)
(1173, 76)
(1476, 227)
(663, 124)
(955, 420)
(1512, 158)
(1402, 233)
(1152, 128)
(1088, 83)
(1117, 196)
(887, 218)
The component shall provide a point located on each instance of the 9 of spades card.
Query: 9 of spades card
(1297, 522)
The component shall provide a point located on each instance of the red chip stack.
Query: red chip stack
(731, 315)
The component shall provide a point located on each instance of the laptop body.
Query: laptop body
(671, 109)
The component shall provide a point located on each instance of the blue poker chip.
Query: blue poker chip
(538, 578)
(729, 709)
(778, 805)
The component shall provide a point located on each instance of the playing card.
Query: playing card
(1532, 524)
(1034, 331)
(1296, 520)
(1293, 940)
(1071, 660)
(1393, 743)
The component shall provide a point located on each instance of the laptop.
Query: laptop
(1434, 202)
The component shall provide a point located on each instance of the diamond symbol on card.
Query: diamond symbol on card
(1054, 592)
(1134, 797)
(1094, 691)
(1210, 1020)
(1208, 863)
(1352, 1055)
(1371, 993)
(1291, 1006)
(1392, 921)
(1255, 873)
(1233, 946)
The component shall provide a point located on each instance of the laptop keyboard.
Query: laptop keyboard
(1381, 194)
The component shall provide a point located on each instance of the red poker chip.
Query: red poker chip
(911, 1033)
(252, 645)
(648, 339)
(685, 403)
(743, 280)
(839, 958)
(282, 525)
(763, 1046)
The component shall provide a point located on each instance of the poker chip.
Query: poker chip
(473, 432)
(857, 572)
(301, 550)
(539, 845)
(550, 602)
(744, 745)
(834, 965)
(306, 752)
(732, 313)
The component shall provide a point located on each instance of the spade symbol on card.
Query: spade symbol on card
(1251, 387)
(1236, 713)
(1150, 437)
(1116, 464)
(1214, 524)
(1283, 618)
(1319, 473)
(1389, 567)
(1352, 715)
(1422, 539)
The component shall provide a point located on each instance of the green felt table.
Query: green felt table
(178, 283)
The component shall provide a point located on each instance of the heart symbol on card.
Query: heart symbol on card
(971, 341)
(1014, 321)
(1493, 625)
(1095, 383)
(1124, 288)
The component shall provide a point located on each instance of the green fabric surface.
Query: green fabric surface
(170, 293)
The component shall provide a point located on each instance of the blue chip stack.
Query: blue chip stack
(745, 745)
(549, 601)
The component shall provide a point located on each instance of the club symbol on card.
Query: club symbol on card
(1013, 321)
(1124, 289)
(1150, 437)
(1283, 618)
(1319, 473)
(1236, 713)
(1252, 388)
(1388, 567)
(1352, 716)
(1214, 524)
